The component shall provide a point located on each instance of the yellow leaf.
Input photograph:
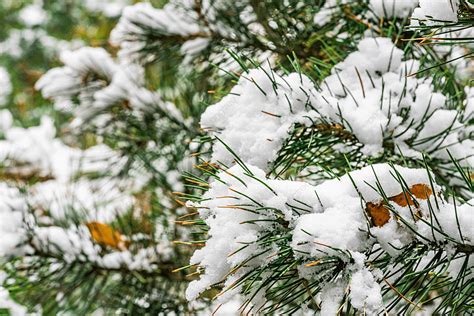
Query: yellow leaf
(105, 235)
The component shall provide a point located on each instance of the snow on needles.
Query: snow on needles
(7, 303)
(131, 31)
(369, 93)
(64, 191)
(86, 71)
(256, 116)
(91, 82)
(231, 226)
(326, 221)
(432, 12)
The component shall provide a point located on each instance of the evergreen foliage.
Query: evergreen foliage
(251, 157)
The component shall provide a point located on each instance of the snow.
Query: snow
(324, 15)
(393, 8)
(375, 115)
(267, 105)
(241, 205)
(381, 8)
(19, 40)
(35, 151)
(461, 65)
(6, 302)
(469, 103)
(63, 83)
(455, 221)
(254, 120)
(5, 86)
(91, 82)
(172, 19)
(365, 292)
(110, 8)
(340, 222)
(429, 10)
(33, 14)
(12, 227)
(331, 297)
(338, 229)
(101, 200)
(6, 120)
(75, 244)
(227, 228)
(29, 151)
(368, 93)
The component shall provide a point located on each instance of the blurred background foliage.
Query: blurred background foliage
(67, 20)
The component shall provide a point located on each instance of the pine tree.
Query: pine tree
(254, 157)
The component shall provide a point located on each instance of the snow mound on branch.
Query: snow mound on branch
(370, 94)
(85, 71)
(35, 150)
(365, 292)
(340, 224)
(65, 192)
(227, 210)
(429, 10)
(177, 18)
(76, 244)
(6, 120)
(91, 83)
(33, 15)
(7, 303)
(325, 13)
(100, 200)
(377, 102)
(381, 8)
(256, 116)
(326, 221)
(393, 8)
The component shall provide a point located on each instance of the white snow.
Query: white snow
(6, 302)
(5, 86)
(331, 297)
(324, 15)
(225, 214)
(256, 116)
(175, 18)
(19, 40)
(33, 14)
(6, 120)
(12, 221)
(365, 292)
(331, 222)
(86, 71)
(393, 8)
(110, 8)
(368, 93)
(441, 10)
